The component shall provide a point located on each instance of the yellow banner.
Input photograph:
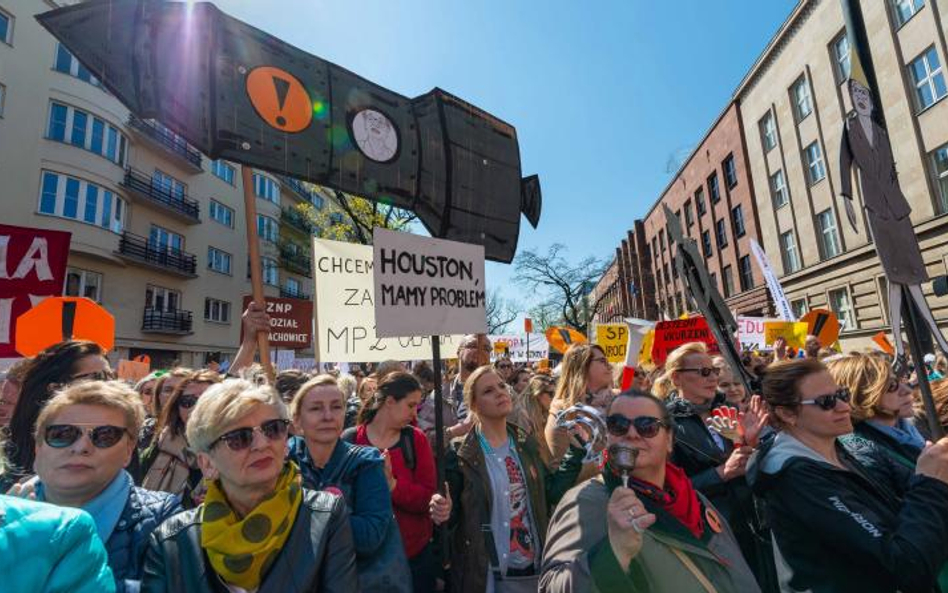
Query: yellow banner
(613, 338)
(794, 332)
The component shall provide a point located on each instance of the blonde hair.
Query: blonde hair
(571, 387)
(109, 394)
(225, 403)
(469, 395)
(317, 381)
(867, 377)
(664, 385)
(347, 383)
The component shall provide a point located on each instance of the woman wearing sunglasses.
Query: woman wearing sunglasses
(657, 533)
(356, 473)
(86, 436)
(882, 407)
(845, 520)
(258, 529)
(168, 464)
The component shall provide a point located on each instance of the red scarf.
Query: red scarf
(678, 498)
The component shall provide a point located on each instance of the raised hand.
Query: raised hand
(754, 420)
(726, 421)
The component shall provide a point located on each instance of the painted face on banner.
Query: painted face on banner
(375, 135)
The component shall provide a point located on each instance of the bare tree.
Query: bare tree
(545, 315)
(566, 286)
(500, 312)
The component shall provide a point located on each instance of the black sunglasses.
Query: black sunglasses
(647, 427)
(94, 376)
(241, 438)
(704, 371)
(828, 401)
(187, 401)
(60, 436)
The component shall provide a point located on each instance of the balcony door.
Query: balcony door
(161, 239)
(162, 299)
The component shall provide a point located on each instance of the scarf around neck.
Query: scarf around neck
(241, 551)
(677, 498)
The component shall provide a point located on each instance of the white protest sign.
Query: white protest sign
(781, 304)
(750, 333)
(426, 286)
(517, 346)
(345, 310)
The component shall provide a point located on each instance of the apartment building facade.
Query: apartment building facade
(158, 229)
(794, 102)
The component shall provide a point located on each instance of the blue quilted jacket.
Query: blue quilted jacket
(144, 511)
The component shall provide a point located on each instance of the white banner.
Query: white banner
(517, 346)
(426, 286)
(345, 310)
(781, 304)
(750, 333)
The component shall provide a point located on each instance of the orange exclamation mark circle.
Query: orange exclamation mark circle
(279, 98)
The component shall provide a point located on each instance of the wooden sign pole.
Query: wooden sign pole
(256, 271)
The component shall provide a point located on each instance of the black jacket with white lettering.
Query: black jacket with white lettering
(865, 529)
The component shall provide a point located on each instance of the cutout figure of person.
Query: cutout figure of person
(865, 144)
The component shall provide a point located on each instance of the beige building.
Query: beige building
(794, 103)
(158, 230)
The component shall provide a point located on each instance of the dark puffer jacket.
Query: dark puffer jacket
(862, 529)
(144, 511)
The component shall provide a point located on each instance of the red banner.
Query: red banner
(32, 267)
(291, 322)
(672, 334)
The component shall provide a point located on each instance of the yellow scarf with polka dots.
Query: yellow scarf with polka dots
(243, 550)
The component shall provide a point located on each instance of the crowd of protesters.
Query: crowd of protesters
(822, 477)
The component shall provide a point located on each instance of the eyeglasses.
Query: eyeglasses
(241, 438)
(704, 371)
(647, 427)
(187, 401)
(59, 436)
(94, 376)
(828, 401)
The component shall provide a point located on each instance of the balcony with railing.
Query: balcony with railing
(295, 261)
(140, 250)
(293, 218)
(146, 190)
(290, 293)
(167, 140)
(302, 191)
(159, 321)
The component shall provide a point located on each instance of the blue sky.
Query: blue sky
(601, 93)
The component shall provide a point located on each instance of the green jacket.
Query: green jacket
(469, 484)
(579, 559)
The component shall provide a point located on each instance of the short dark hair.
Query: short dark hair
(781, 381)
(423, 372)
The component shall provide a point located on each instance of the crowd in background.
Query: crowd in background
(823, 478)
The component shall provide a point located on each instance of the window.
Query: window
(168, 184)
(789, 253)
(768, 131)
(293, 286)
(69, 197)
(799, 307)
(6, 28)
(928, 78)
(714, 279)
(661, 238)
(802, 104)
(217, 311)
(162, 299)
(266, 188)
(83, 283)
(728, 275)
(737, 219)
(222, 214)
(730, 171)
(720, 233)
(829, 237)
(940, 168)
(76, 127)
(267, 228)
(223, 171)
(706, 243)
(218, 260)
(713, 189)
(68, 64)
(841, 304)
(3, 97)
(778, 190)
(841, 58)
(655, 247)
(666, 274)
(699, 202)
(746, 272)
(270, 271)
(814, 163)
(689, 215)
(164, 240)
(906, 9)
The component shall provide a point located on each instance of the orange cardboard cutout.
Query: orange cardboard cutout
(64, 318)
(824, 325)
(279, 98)
(561, 338)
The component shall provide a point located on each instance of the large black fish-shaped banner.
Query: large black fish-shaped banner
(240, 94)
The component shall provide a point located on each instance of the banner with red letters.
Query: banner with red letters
(32, 267)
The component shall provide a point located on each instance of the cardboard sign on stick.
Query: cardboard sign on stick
(823, 324)
(291, 322)
(672, 334)
(64, 318)
(516, 347)
(613, 338)
(426, 286)
(793, 332)
(132, 370)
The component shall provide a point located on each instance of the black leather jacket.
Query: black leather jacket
(318, 555)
